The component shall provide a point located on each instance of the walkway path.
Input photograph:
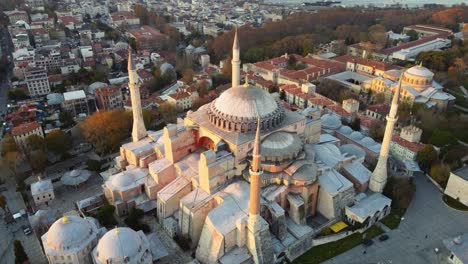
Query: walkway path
(427, 215)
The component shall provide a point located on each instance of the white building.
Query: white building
(76, 103)
(457, 186)
(123, 245)
(42, 191)
(410, 53)
(70, 240)
(37, 81)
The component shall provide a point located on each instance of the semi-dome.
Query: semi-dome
(69, 232)
(281, 145)
(118, 244)
(239, 108)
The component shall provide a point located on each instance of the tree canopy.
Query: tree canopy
(58, 142)
(426, 156)
(20, 255)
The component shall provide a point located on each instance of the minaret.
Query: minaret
(255, 176)
(379, 176)
(139, 129)
(258, 233)
(235, 62)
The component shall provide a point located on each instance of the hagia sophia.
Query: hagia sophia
(242, 178)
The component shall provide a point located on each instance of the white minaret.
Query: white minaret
(139, 129)
(379, 176)
(235, 62)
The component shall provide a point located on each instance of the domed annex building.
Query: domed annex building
(123, 245)
(418, 86)
(239, 178)
(70, 240)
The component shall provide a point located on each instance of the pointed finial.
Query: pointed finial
(117, 231)
(256, 150)
(236, 41)
(396, 96)
(246, 84)
(420, 64)
(65, 219)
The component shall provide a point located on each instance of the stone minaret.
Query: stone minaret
(139, 129)
(258, 233)
(379, 176)
(235, 62)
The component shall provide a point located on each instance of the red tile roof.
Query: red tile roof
(414, 147)
(25, 128)
(338, 109)
(180, 95)
(381, 109)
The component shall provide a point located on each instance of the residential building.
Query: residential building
(123, 18)
(148, 37)
(182, 100)
(108, 97)
(23, 131)
(17, 15)
(76, 103)
(37, 81)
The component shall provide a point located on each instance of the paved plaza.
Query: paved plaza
(427, 215)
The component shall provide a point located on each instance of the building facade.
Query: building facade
(37, 81)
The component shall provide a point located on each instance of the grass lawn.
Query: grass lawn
(454, 203)
(373, 231)
(323, 252)
(392, 220)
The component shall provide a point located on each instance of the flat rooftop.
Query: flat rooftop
(462, 173)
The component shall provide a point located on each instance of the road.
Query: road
(427, 215)
(6, 46)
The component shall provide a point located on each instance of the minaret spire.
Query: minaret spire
(255, 174)
(139, 129)
(235, 61)
(380, 174)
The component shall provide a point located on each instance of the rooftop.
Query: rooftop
(25, 128)
(458, 246)
(462, 172)
(74, 95)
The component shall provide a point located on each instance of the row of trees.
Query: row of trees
(300, 32)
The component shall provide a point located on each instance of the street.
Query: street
(427, 215)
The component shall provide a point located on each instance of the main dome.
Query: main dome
(239, 108)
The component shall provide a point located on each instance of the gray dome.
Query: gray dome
(123, 179)
(420, 71)
(353, 150)
(239, 108)
(69, 232)
(166, 67)
(119, 243)
(281, 144)
(356, 135)
(330, 121)
(346, 130)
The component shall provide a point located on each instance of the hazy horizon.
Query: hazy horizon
(410, 3)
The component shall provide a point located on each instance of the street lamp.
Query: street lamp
(436, 250)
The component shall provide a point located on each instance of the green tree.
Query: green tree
(93, 165)
(441, 138)
(3, 202)
(17, 94)
(148, 118)
(440, 173)
(169, 112)
(203, 88)
(20, 255)
(105, 216)
(426, 156)
(379, 98)
(37, 159)
(58, 142)
(412, 34)
(8, 144)
(187, 76)
(66, 118)
(356, 124)
(35, 142)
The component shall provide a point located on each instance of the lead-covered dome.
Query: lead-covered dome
(418, 77)
(121, 244)
(69, 232)
(239, 108)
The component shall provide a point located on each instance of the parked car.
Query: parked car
(27, 231)
(367, 242)
(383, 237)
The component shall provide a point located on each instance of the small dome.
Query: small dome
(123, 179)
(166, 67)
(75, 173)
(346, 130)
(328, 154)
(356, 135)
(68, 232)
(367, 141)
(352, 149)
(119, 243)
(420, 71)
(330, 121)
